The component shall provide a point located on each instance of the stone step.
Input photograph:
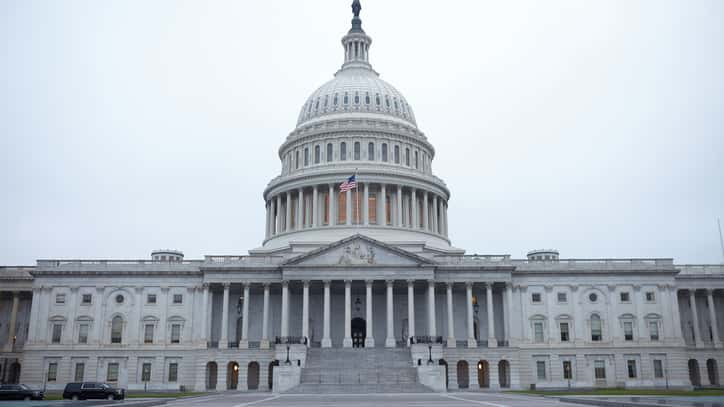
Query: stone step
(358, 388)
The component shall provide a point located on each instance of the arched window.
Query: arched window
(296, 160)
(306, 156)
(346, 98)
(417, 162)
(356, 150)
(329, 152)
(356, 98)
(326, 101)
(384, 152)
(371, 151)
(317, 154)
(397, 154)
(367, 98)
(407, 157)
(336, 99)
(343, 151)
(596, 328)
(116, 329)
(377, 100)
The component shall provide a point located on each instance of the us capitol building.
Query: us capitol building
(361, 288)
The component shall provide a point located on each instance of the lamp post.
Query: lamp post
(429, 358)
(288, 362)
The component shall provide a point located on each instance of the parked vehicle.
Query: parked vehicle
(19, 392)
(92, 390)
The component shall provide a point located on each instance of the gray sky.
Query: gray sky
(593, 127)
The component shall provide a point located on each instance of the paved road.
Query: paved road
(368, 400)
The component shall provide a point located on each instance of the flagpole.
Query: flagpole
(356, 187)
(721, 240)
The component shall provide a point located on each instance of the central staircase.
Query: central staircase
(359, 370)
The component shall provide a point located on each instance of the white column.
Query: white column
(366, 207)
(330, 209)
(349, 207)
(431, 322)
(472, 343)
(14, 319)
(451, 342)
(712, 318)
(435, 220)
(382, 214)
(425, 214)
(265, 320)
(415, 212)
(390, 340)
(244, 344)
(398, 210)
(326, 340)
(410, 309)
(446, 224)
(285, 309)
(492, 341)
(315, 207)
(299, 224)
(305, 311)
(370, 337)
(224, 341)
(34, 305)
(675, 314)
(508, 315)
(278, 226)
(695, 317)
(347, 341)
(288, 211)
(266, 231)
(205, 312)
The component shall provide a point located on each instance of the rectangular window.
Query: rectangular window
(52, 372)
(371, 151)
(148, 333)
(178, 298)
(372, 208)
(650, 296)
(330, 151)
(79, 372)
(397, 154)
(112, 375)
(343, 151)
(407, 157)
(306, 157)
(631, 367)
(83, 333)
(538, 329)
(567, 370)
(356, 151)
(57, 331)
(600, 369)
(151, 299)
(317, 154)
(535, 297)
(175, 333)
(658, 368)
(172, 372)
(60, 298)
(596, 329)
(540, 367)
(384, 152)
(625, 297)
(87, 299)
(562, 297)
(628, 330)
(564, 332)
(654, 330)
(146, 372)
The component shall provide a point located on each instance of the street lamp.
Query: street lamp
(288, 362)
(429, 358)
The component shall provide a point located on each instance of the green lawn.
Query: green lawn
(136, 395)
(626, 392)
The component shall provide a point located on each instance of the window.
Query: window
(417, 162)
(596, 328)
(397, 154)
(372, 205)
(599, 369)
(356, 151)
(371, 151)
(151, 299)
(116, 329)
(343, 151)
(562, 297)
(52, 372)
(330, 151)
(538, 330)
(658, 368)
(60, 298)
(346, 98)
(650, 296)
(317, 154)
(57, 332)
(79, 372)
(296, 160)
(540, 367)
(377, 99)
(146, 372)
(86, 299)
(176, 333)
(356, 98)
(628, 330)
(593, 297)
(407, 157)
(625, 297)
(631, 367)
(119, 299)
(384, 152)
(567, 370)
(172, 372)
(535, 297)
(148, 333)
(83, 333)
(178, 298)
(654, 330)
(112, 374)
(564, 332)
(367, 98)
(341, 211)
(336, 99)
(306, 156)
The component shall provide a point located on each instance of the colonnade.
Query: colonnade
(369, 204)
(713, 328)
(9, 345)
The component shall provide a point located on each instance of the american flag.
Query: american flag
(351, 183)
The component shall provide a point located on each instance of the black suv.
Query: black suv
(92, 390)
(19, 392)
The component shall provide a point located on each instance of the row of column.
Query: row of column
(404, 209)
(369, 339)
(712, 318)
(13, 321)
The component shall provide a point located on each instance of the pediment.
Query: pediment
(358, 251)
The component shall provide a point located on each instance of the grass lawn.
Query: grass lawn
(136, 395)
(626, 392)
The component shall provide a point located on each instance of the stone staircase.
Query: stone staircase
(359, 370)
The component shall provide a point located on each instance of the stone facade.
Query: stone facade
(369, 267)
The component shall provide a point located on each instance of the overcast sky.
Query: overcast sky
(592, 127)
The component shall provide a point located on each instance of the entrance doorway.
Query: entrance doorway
(252, 376)
(232, 376)
(359, 332)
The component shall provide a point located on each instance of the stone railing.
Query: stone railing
(290, 340)
(244, 260)
(60, 263)
(473, 259)
(703, 269)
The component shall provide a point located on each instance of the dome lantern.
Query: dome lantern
(356, 43)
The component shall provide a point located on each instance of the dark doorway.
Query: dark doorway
(712, 370)
(14, 376)
(232, 376)
(443, 362)
(271, 373)
(483, 374)
(694, 375)
(252, 376)
(504, 374)
(359, 332)
(463, 375)
(211, 371)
